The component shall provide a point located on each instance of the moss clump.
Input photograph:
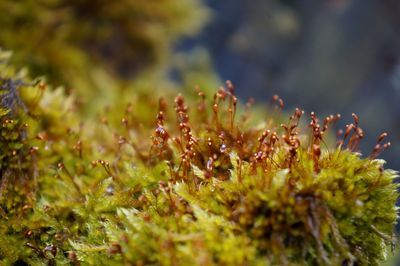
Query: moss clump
(18, 159)
(66, 39)
(205, 181)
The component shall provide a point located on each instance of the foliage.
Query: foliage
(75, 42)
(219, 184)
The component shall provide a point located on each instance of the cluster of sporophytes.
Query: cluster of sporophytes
(201, 180)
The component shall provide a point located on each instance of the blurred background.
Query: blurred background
(325, 56)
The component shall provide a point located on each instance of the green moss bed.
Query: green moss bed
(159, 178)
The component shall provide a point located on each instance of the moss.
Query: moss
(202, 180)
(17, 160)
(95, 48)
(124, 37)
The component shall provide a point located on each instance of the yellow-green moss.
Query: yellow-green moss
(64, 39)
(196, 181)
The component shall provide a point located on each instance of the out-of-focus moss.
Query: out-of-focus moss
(67, 39)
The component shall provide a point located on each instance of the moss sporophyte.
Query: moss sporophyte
(202, 181)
